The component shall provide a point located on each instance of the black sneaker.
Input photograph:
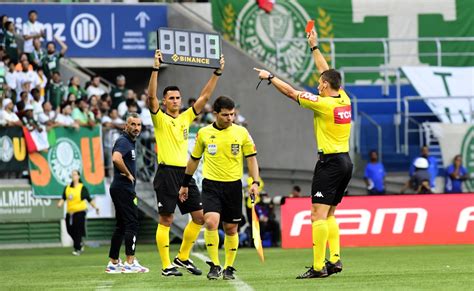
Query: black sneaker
(215, 271)
(171, 271)
(188, 265)
(312, 273)
(228, 273)
(333, 268)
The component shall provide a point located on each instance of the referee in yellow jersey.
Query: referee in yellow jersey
(332, 126)
(171, 133)
(224, 145)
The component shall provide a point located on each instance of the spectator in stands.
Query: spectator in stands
(3, 20)
(56, 92)
(420, 180)
(37, 55)
(104, 106)
(26, 79)
(123, 106)
(142, 102)
(75, 195)
(295, 192)
(239, 119)
(64, 118)
(94, 107)
(33, 29)
(269, 226)
(433, 165)
(374, 176)
(9, 118)
(71, 99)
(48, 116)
(43, 82)
(82, 113)
(11, 47)
(11, 80)
(118, 92)
(51, 59)
(36, 103)
(75, 88)
(207, 116)
(455, 175)
(29, 121)
(19, 66)
(94, 87)
(113, 126)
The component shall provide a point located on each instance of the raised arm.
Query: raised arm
(209, 88)
(62, 44)
(319, 59)
(153, 103)
(281, 86)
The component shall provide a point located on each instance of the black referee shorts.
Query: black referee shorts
(167, 182)
(331, 177)
(224, 198)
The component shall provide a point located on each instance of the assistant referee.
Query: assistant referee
(332, 126)
(224, 146)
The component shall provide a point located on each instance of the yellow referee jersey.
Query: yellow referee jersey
(171, 135)
(224, 151)
(332, 120)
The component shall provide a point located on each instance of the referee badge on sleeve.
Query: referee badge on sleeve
(212, 149)
(235, 149)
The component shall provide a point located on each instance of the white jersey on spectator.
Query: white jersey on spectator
(64, 120)
(122, 109)
(97, 91)
(23, 77)
(30, 29)
(43, 117)
(10, 78)
(10, 116)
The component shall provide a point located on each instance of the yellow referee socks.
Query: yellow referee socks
(190, 234)
(163, 244)
(320, 239)
(333, 239)
(211, 237)
(231, 244)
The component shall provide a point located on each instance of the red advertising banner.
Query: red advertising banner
(387, 220)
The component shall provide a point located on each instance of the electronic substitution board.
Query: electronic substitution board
(189, 48)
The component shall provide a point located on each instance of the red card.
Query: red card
(309, 26)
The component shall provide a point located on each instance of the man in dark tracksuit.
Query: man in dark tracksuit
(122, 191)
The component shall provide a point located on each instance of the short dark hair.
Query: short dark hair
(34, 91)
(170, 88)
(297, 188)
(7, 24)
(31, 12)
(223, 102)
(50, 42)
(333, 77)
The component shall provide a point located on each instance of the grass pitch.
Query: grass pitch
(376, 268)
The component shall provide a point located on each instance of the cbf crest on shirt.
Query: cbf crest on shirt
(224, 151)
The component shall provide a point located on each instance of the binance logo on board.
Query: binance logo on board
(175, 58)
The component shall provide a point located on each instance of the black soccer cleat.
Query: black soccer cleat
(228, 273)
(333, 268)
(215, 271)
(188, 265)
(171, 271)
(312, 273)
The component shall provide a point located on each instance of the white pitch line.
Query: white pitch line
(237, 283)
(105, 285)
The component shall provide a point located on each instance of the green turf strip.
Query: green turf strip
(390, 268)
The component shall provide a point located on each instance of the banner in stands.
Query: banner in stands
(456, 139)
(70, 150)
(13, 153)
(389, 220)
(95, 31)
(18, 204)
(257, 32)
(446, 85)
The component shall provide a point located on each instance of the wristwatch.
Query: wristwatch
(314, 48)
(256, 182)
